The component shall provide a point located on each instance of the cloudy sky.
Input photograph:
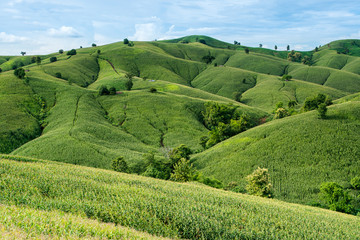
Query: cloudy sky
(45, 26)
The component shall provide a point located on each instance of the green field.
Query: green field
(46, 189)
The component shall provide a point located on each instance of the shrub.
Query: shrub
(119, 165)
(335, 197)
(281, 113)
(103, 91)
(0, 70)
(322, 109)
(259, 183)
(292, 104)
(93, 45)
(128, 84)
(112, 91)
(208, 59)
(247, 50)
(183, 171)
(126, 41)
(19, 73)
(153, 90)
(61, 51)
(58, 75)
(355, 183)
(179, 152)
(53, 59)
(71, 52)
(202, 41)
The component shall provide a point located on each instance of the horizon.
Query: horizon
(43, 27)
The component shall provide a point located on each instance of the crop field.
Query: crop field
(162, 208)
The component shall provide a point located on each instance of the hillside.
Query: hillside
(56, 111)
(300, 152)
(45, 189)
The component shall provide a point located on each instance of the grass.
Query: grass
(162, 208)
(300, 152)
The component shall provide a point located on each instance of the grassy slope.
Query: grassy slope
(300, 152)
(18, 107)
(158, 207)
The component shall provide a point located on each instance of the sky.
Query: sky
(45, 26)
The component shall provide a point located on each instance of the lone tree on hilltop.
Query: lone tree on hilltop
(260, 45)
(61, 51)
(259, 183)
(288, 47)
(126, 41)
(93, 45)
(23, 53)
(275, 47)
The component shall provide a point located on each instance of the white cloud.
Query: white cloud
(64, 31)
(10, 38)
(13, 2)
(147, 31)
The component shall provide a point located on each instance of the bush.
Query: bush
(58, 75)
(153, 90)
(0, 70)
(335, 197)
(180, 152)
(19, 73)
(53, 59)
(355, 183)
(126, 41)
(103, 91)
(71, 52)
(128, 84)
(112, 91)
(247, 50)
(93, 45)
(183, 171)
(119, 165)
(281, 113)
(61, 51)
(322, 109)
(259, 183)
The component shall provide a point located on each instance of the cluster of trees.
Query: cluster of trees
(223, 121)
(71, 52)
(237, 43)
(336, 198)
(208, 59)
(103, 90)
(319, 102)
(129, 43)
(294, 56)
(280, 111)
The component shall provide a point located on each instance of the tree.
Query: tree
(281, 113)
(71, 52)
(61, 51)
(179, 152)
(126, 41)
(292, 104)
(260, 45)
(119, 164)
(276, 47)
(53, 59)
(38, 60)
(259, 183)
(208, 59)
(183, 171)
(58, 75)
(322, 109)
(288, 47)
(355, 183)
(202, 41)
(294, 56)
(335, 197)
(23, 53)
(316, 49)
(129, 76)
(128, 84)
(235, 42)
(247, 50)
(153, 90)
(0, 70)
(19, 73)
(93, 45)
(112, 91)
(98, 51)
(306, 60)
(103, 90)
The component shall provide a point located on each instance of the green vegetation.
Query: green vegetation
(259, 183)
(173, 210)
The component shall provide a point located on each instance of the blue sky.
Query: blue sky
(45, 26)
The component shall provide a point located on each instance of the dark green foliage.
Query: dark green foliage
(288, 47)
(112, 91)
(93, 45)
(335, 197)
(286, 77)
(33, 59)
(275, 47)
(98, 51)
(38, 60)
(216, 113)
(203, 141)
(23, 53)
(238, 95)
(202, 41)
(153, 90)
(179, 152)
(128, 84)
(58, 75)
(183, 171)
(61, 51)
(306, 60)
(104, 91)
(131, 44)
(53, 59)
(322, 109)
(314, 102)
(316, 49)
(355, 183)
(71, 52)
(281, 113)
(294, 56)
(156, 168)
(126, 41)
(208, 59)
(19, 73)
(259, 183)
(0, 70)
(119, 164)
(292, 104)
(13, 67)
(247, 50)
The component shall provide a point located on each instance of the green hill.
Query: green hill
(300, 152)
(36, 193)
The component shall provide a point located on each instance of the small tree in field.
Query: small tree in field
(53, 59)
(259, 183)
(38, 60)
(322, 109)
(129, 84)
(335, 197)
(61, 51)
(247, 50)
(19, 73)
(126, 41)
(119, 165)
(183, 171)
